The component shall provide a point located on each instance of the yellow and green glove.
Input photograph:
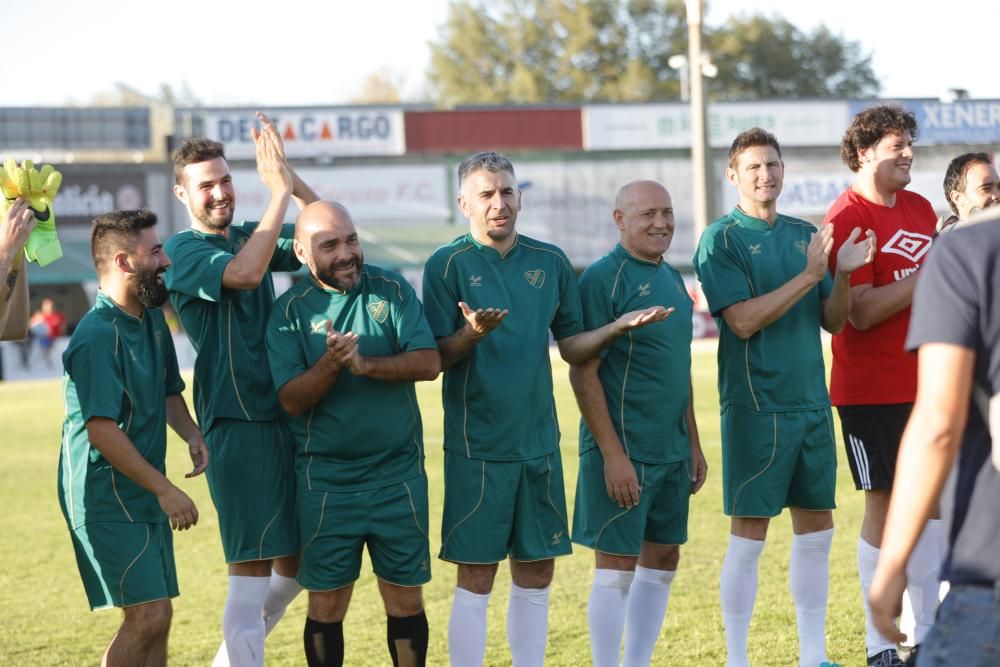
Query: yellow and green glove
(39, 188)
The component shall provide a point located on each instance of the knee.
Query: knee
(327, 607)
(532, 575)
(150, 620)
(663, 558)
(477, 579)
(403, 603)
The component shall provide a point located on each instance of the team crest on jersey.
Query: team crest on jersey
(754, 248)
(318, 327)
(910, 245)
(475, 281)
(802, 246)
(535, 278)
(644, 289)
(238, 245)
(379, 310)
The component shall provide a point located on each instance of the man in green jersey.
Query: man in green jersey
(220, 286)
(766, 280)
(122, 389)
(345, 347)
(640, 457)
(491, 298)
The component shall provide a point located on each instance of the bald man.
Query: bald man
(640, 457)
(345, 347)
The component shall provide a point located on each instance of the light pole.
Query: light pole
(699, 142)
(679, 62)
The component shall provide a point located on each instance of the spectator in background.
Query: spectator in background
(971, 183)
(47, 324)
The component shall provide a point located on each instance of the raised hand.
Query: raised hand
(341, 348)
(640, 318)
(818, 253)
(17, 225)
(482, 320)
(270, 128)
(851, 255)
(271, 159)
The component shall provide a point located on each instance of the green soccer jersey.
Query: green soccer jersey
(121, 368)
(226, 327)
(364, 434)
(779, 368)
(646, 373)
(498, 403)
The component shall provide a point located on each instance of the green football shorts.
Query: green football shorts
(660, 517)
(251, 477)
(124, 564)
(496, 509)
(391, 520)
(772, 460)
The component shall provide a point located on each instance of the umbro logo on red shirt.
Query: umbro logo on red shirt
(910, 245)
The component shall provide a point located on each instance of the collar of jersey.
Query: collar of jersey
(490, 251)
(104, 301)
(622, 253)
(750, 222)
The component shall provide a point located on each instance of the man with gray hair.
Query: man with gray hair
(491, 298)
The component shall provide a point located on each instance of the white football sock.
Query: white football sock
(875, 641)
(923, 575)
(528, 625)
(606, 615)
(280, 593)
(809, 582)
(738, 589)
(647, 607)
(467, 628)
(242, 623)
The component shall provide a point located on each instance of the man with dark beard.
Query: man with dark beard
(220, 286)
(346, 346)
(122, 389)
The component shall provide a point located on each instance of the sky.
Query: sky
(319, 52)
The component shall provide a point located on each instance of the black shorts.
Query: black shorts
(871, 437)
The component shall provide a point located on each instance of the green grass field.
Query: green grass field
(45, 619)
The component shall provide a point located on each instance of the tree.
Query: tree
(381, 87)
(534, 51)
(760, 57)
(570, 51)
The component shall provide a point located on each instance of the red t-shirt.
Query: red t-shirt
(55, 321)
(871, 367)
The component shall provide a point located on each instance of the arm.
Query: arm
(580, 347)
(930, 443)
(456, 346)
(119, 451)
(699, 466)
(14, 231)
(307, 389)
(871, 305)
(248, 267)
(301, 192)
(748, 317)
(180, 421)
(619, 475)
(412, 366)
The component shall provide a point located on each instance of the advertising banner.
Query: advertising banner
(312, 132)
(644, 126)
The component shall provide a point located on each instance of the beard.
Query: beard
(204, 216)
(148, 289)
(328, 276)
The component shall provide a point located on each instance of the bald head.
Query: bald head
(638, 191)
(645, 216)
(327, 242)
